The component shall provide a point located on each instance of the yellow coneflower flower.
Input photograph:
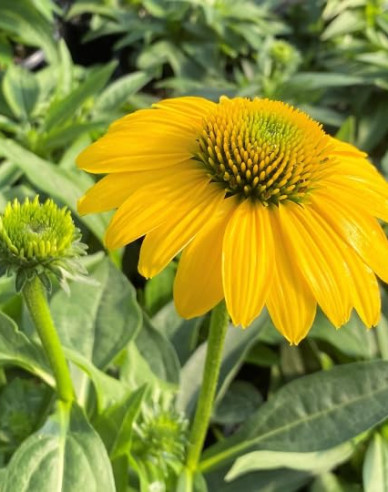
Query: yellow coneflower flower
(267, 208)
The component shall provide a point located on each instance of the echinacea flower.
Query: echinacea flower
(267, 208)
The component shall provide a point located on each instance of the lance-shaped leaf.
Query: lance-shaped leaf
(312, 413)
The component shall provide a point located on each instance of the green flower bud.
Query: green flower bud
(39, 239)
(161, 440)
(285, 55)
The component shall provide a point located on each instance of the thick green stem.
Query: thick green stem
(35, 298)
(218, 327)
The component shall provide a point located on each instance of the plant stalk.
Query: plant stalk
(218, 326)
(35, 299)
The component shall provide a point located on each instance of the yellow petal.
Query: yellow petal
(320, 263)
(159, 118)
(148, 139)
(169, 130)
(137, 151)
(153, 204)
(164, 243)
(361, 231)
(369, 196)
(290, 301)
(194, 107)
(112, 190)
(345, 149)
(198, 282)
(247, 262)
(363, 287)
(365, 292)
(361, 170)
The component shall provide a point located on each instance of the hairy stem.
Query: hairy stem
(35, 299)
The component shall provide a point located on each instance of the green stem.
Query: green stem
(217, 332)
(35, 299)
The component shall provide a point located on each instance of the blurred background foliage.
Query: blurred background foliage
(67, 70)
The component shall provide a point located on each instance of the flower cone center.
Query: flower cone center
(263, 150)
(32, 230)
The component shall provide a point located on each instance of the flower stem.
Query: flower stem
(35, 299)
(217, 332)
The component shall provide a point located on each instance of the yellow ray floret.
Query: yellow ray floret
(266, 208)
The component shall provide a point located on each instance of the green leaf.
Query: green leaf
(263, 356)
(347, 132)
(373, 126)
(71, 153)
(21, 91)
(346, 22)
(352, 339)
(66, 455)
(382, 336)
(108, 389)
(22, 403)
(182, 333)
(334, 8)
(17, 350)
(330, 482)
(7, 288)
(98, 320)
(151, 356)
(3, 473)
(28, 25)
(317, 462)
(281, 480)
(118, 92)
(9, 174)
(241, 400)
(312, 413)
(323, 80)
(378, 58)
(237, 344)
(120, 468)
(296, 362)
(375, 468)
(89, 7)
(63, 110)
(66, 69)
(47, 79)
(136, 370)
(158, 351)
(47, 8)
(59, 183)
(158, 290)
(115, 425)
(58, 138)
(6, 52)
(162, 52)
(323, 114)
(8, 125)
